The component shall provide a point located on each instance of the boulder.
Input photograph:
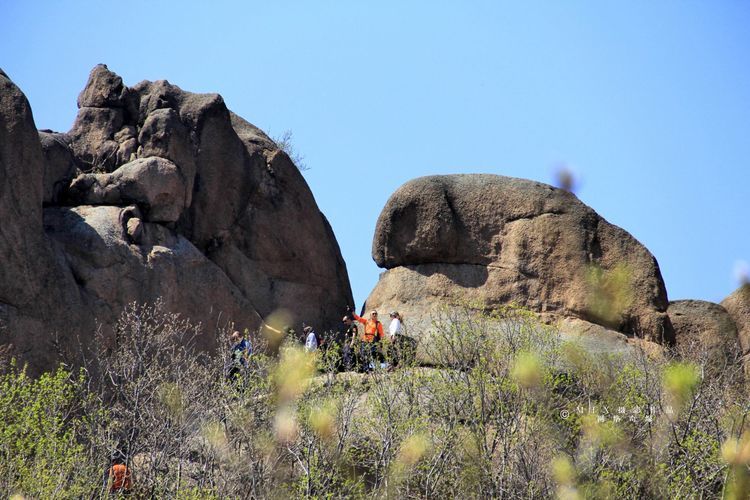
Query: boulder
(705, 331)
(104, 89)
(127, 141)
(164, 135)
(134, 228)
(92, 138)
(738, 307)
(601, 341)
(490, 240)
(178, 199)
(154, 184)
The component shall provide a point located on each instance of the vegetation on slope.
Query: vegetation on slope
(509, 411)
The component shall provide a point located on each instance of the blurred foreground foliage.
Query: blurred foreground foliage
(507, 410)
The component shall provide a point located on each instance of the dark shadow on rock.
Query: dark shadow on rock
(465, 275)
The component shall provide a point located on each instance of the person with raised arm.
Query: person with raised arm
(371, 335)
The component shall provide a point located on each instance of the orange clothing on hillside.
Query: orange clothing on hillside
(120, 476)
(371, 328)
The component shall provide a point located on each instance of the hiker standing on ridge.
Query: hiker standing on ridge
(372, 334)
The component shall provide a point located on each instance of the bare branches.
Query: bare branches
(504, 409)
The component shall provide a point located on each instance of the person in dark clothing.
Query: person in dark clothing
(351, 333)
(241, 350)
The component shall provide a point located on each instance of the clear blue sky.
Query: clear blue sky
(648, 102)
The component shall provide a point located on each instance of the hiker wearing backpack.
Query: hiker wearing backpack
(241, 351)
(372, 334)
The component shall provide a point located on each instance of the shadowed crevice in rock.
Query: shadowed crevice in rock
(464, 275)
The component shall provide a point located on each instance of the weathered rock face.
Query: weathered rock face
(113, 267)
(153, 183)
(738, 307)
(59, 166)
(34, 302)
(498, 240)
(21, 166)
(154, 192)
(708, 330)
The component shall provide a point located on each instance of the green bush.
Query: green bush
(40, 455)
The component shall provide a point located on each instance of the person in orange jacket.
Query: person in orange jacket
(373, 327)
(120, 477)
(373, 333)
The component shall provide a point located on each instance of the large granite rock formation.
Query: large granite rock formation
(493, 240)
(154, 192)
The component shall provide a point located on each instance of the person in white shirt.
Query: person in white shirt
(311, 342)
(396, 327)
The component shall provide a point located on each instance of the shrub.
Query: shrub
(284, 143)
(40, 455)
(506, 409)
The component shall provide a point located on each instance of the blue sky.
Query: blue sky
(647, 102)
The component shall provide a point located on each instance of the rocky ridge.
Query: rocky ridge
(159, 192)
(154, 192)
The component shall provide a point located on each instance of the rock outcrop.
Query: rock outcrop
(707, 331)
(27, 261)
(493, 240)
(738, 307)
(153, 183)
(154, 192)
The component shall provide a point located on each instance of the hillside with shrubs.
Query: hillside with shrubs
(507, 409)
